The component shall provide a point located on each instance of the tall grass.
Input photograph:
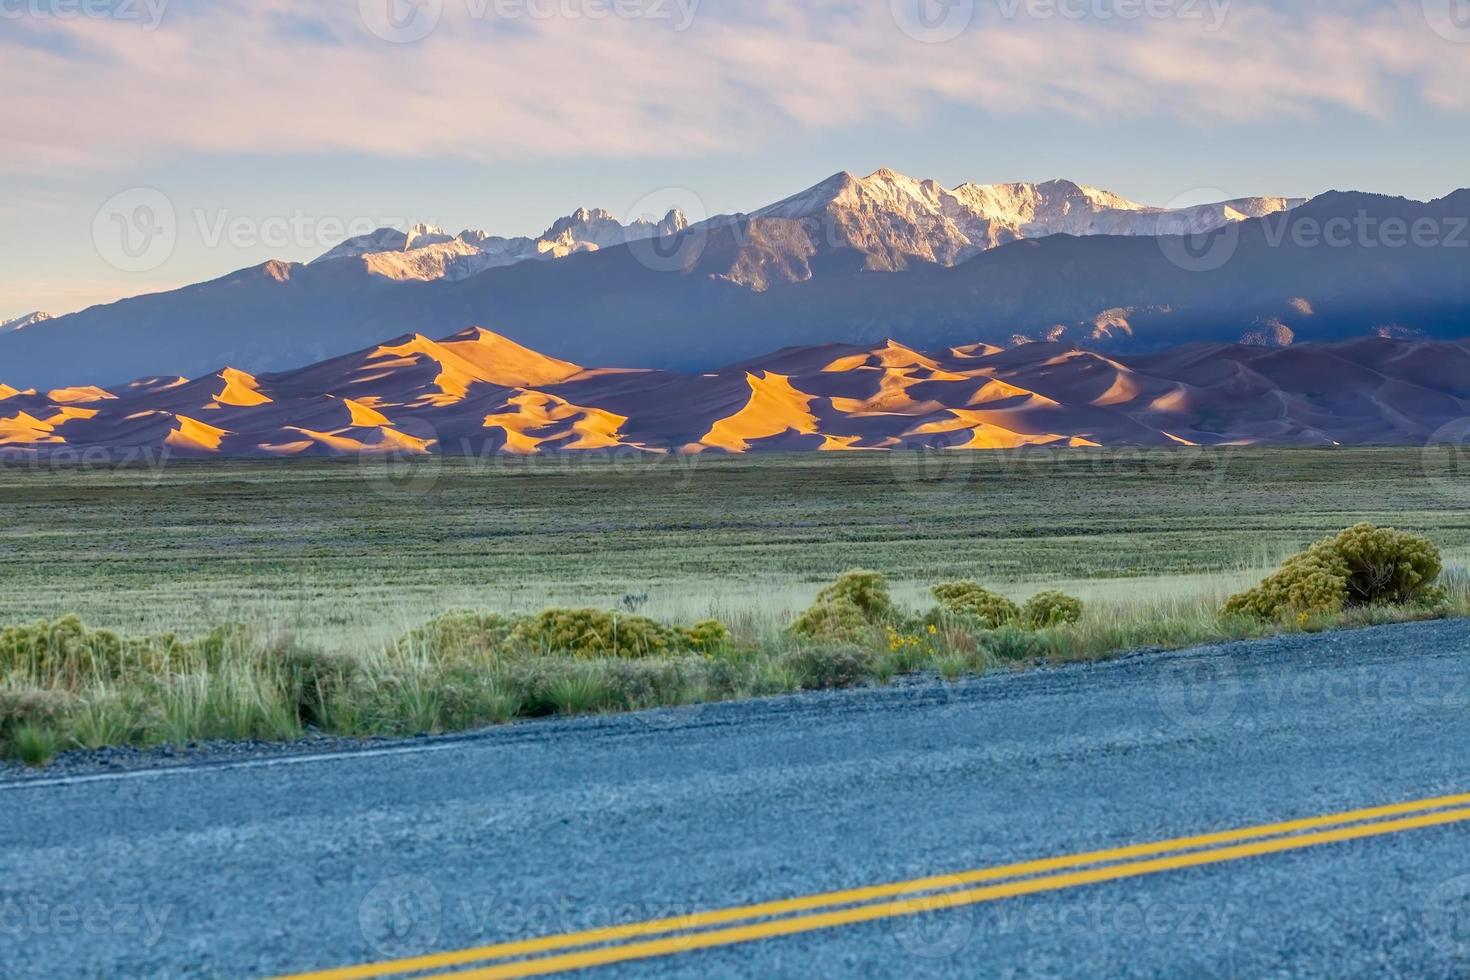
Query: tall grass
(262, 682)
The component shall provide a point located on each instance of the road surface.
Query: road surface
(305, 863)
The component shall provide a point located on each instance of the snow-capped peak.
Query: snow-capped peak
(894, 217)
(422, 236)
(21, 322)
(428, 252)
(891, 217)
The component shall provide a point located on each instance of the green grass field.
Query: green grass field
(328, 563)
(346, 555)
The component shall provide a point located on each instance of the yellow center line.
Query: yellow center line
(947, 900)
(545, 944)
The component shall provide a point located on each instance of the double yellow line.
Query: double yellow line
(748, 923)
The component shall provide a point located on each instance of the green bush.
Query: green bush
(633, 685)
(222, 645)
(35, 745)
(847, 609)
(833, 619)
(30, 723)
(471, 698)
(320, 685)
(1362, 566)
(1387, 566)
(1047, 609)
(969, 600)
(595, 633)
(577, 693)
(459, 635)
(866, 590)
(1313, 583)
(708, 636)
(821, 668)
(20, 707)
(64, 653)
(1012, 644)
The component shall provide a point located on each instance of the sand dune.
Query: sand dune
(478, 393)
(775, 408)
(240, 390)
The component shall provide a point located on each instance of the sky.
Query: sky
(223, 133)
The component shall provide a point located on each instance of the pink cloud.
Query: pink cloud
(227, 79)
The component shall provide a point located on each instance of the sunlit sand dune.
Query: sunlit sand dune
(25, 429)
(478, 355)
(358, 441)
(241, 390)
(79, 396)
(194, 436)
(534, 419)
(479, 393)
(774, 408)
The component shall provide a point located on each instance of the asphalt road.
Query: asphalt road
(300, 863)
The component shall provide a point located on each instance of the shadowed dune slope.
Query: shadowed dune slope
(477, 392)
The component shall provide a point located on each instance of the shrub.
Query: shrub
(35, 745)
(459, 635)
(708, 636)
(1385, 565)
(847, 608)
(639, 684)
(317, 683)
(1362, 566)
(65, 653)
(594, 633)
(818, 669)
(969, 600)
(866, 590)
(20, 707)
(30, 722)
(556, 685)
(836, 619)
(1014, 645)
(102, 720)
(577, 693)
(1312, 583)
(223, 644)
(1051, 609)
(470, 698)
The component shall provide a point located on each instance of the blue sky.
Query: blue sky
(265, 128)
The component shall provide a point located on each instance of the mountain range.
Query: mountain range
(426, 253)
(479, 393)
(850, 260)
(893, 219)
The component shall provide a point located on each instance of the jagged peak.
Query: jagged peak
(276, 269)
(24, 320)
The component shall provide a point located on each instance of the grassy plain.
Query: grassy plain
(343, 557)
(346, 553)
